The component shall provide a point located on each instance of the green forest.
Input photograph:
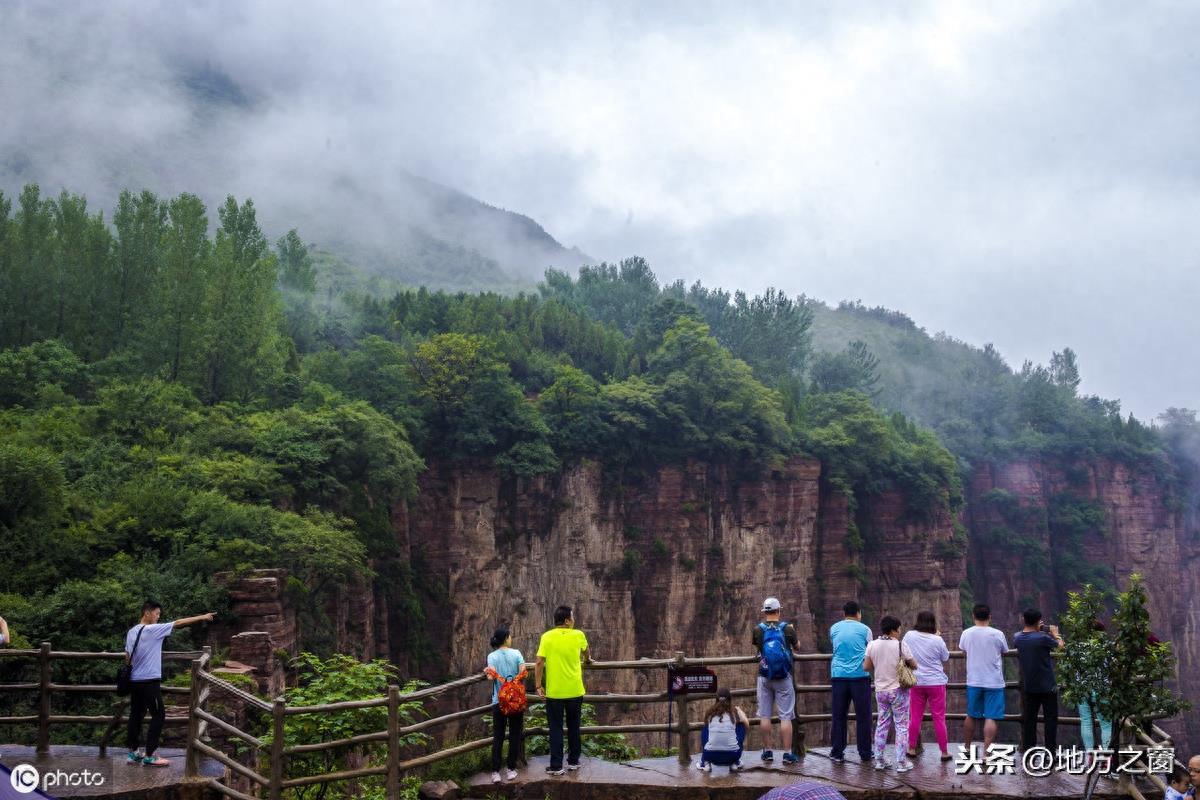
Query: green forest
(181, 396)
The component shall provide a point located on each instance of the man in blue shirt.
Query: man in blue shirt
(143, 651)
(850, 683)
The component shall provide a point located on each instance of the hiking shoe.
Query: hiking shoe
(703, 767)
(155, 761)
(791, 758)
(767, 755)
(572, 767)
(904, 766)
(510, 774)
(134, 757)
(555, 771)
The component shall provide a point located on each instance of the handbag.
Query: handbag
(904, 673)
(125, 671)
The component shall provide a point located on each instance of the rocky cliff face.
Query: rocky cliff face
(1040, 529)
(681, 560)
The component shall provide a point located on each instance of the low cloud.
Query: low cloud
(1019, 174)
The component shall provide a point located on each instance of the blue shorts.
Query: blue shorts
(985, 703)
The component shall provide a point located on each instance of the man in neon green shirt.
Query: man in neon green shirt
(559, 676)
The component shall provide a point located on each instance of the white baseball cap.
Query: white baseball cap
(771, 604)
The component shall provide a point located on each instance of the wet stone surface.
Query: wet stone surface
(666, 779)
(111, 777)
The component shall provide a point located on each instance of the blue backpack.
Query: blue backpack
(776, 659)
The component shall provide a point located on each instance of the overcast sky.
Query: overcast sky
(1018, 173)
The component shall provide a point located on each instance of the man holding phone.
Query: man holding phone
(1034, 644)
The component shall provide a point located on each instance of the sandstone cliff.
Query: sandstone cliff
(680, 560)
(1039, 529)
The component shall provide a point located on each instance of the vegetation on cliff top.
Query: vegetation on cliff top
(175, 401)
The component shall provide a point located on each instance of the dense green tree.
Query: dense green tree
(296, 269)
(854, 369)
(139, 222)
(617, 294)
(574, 411)
(716, 409)
(298, 285)
(172, 338)
(43, 373)
(8, 277)
(241, 345)
(31, 237)
(471, 406)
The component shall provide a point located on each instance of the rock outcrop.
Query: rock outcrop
(681, 559)
(1039, 529)
(678, 561)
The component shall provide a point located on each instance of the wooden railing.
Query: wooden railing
(394, 766)
(45, 657)
(201, 718)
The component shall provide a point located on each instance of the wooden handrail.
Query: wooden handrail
(216, 785)
(204, 682)
(240, 769)
(316, 747)
(228, 727)
(345, 705)
(106, 688)
(168, 655)
(229, 688)
(330, 777)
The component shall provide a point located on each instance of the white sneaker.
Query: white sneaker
(510, 775)
(880, 764)
(703, 767)
(572, 767)
(495, 777)
(736, 767)
(904, 766)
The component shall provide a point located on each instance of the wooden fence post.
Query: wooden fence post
(393, 743)
(43, 733)
(797, 725)
(681, 721)
(191, 764)
(276, 788)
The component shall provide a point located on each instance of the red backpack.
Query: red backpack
(512, 693)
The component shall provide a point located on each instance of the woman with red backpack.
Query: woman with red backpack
(506, 668)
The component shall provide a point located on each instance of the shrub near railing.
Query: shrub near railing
(339, 679)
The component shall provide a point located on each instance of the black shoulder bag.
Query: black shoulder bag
(125, 671)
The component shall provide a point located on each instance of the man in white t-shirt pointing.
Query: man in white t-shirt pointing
(985, 647)
(143, 649)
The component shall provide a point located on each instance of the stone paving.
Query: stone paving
(120, 780)
(663, 778)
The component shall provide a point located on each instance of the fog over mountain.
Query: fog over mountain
(1015, 173)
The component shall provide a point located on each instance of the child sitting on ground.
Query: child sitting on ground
(723, 734)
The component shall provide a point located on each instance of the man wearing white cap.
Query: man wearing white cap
(775, 641)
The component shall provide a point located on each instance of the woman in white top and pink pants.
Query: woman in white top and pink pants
(930, 650)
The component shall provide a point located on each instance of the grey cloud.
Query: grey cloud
(1016, 173)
